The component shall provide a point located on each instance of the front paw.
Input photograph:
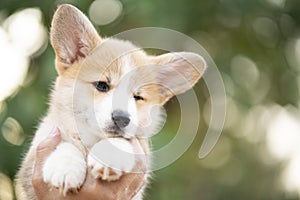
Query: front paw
(65, 168)
(110, 158)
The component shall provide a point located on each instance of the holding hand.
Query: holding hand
(93, 189)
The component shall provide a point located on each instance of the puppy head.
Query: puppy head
(110, 86)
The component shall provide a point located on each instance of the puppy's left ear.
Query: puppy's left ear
(178, 72)
(73, 36)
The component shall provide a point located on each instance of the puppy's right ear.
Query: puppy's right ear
(73, 36)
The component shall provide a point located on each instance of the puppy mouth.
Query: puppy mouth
(114, 131)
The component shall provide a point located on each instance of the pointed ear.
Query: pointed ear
(178, 72)
(72, 35)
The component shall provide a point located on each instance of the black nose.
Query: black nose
(120, 118)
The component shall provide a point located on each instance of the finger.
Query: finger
(48, 145)
(42, 152)
(44, 149)
(136, 187)
(135, 181)
(142, 159)
(128, 186)
(136, 143)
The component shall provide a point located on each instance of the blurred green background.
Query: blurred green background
(256, 46)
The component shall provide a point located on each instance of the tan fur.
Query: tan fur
(82, 58)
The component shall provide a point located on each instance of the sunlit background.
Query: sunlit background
(256, 46)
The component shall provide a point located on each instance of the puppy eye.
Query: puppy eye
(101, 86)
(138, 98)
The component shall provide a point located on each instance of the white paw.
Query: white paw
(110, 158)
(65, 168)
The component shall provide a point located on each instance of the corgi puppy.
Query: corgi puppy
(107, 92)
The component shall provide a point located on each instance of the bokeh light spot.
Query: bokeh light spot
(3, 108)
(12, 131)
(21, 36)
(297, 51)
(103, 12)
(291, 176)
(292, 53)
(6, 188)
(267, 31)
(283, 133)
(26, 30)
(244, 72)
(232, 117)
(277, 3)
(13, 69)
(252, 122)
(219, 156)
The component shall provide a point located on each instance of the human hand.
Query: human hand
(93, 189)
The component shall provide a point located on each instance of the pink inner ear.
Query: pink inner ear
(72, 35)
(73, 46)
(78, 52)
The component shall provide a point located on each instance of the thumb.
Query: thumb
(48, 145)
(45, 148)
